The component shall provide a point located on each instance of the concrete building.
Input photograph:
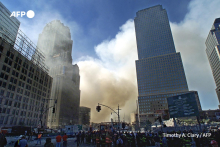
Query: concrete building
(56, 44)
(84, 115)
(11, 24)
(159, 68)
(25, 84)
(213, 53)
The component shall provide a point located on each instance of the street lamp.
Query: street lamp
(43, 110)
(98, 108)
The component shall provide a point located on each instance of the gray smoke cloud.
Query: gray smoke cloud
(111, 79)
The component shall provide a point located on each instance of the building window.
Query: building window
(8, 111)
(15, 104)
(6, 120)
(10, 102)
(11, 120)
(18, 60)
(4, 76)
(2, 91)
(8, 61)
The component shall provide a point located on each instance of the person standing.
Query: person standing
(58, 140)
(164, 141)
(82, 135)
(119, 142)
(48, 143)
(31, 134)
(78, 139)
(25, 133)
(65, 140)
(157, 141)
(17, 142)
(3, 140)
(23, 142)
(39, 138)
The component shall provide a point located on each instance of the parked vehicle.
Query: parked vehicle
(20, 130)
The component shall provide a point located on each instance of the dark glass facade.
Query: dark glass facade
(160, 72)
(213, 53)
(10, 23)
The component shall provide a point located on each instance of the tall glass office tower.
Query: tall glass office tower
(10, 23)
(213, 53)
(159, 68)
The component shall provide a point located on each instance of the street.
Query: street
(70, 143)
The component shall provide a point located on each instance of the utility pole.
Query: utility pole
(118, 117)
(42, 111)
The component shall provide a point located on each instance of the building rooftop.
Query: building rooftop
(217, 20)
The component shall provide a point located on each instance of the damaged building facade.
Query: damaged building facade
(55, 41)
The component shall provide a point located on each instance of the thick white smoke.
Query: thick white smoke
(111, 79)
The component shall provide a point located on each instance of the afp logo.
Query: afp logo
(30, 13)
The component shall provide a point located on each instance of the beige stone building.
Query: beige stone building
(56, 44)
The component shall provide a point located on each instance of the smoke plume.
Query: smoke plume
(111, 79)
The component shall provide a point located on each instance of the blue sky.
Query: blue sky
(98, 19)
(104, 44)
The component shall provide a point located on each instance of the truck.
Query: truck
(20, 130)
(71, 130)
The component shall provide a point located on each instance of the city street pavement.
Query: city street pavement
(70, 143)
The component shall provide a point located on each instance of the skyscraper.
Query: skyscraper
(11, 24)
(159, 68)
(213, 53)
(24, 83)
(55, 41)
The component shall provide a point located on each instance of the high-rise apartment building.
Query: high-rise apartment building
(56, 43)
(159, 68)
(9, 25)
(213, 53)
(25, 84)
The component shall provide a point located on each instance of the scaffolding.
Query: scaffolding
(25, 47)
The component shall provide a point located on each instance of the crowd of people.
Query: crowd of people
(22, 142)
(129, 139)
(138, 139)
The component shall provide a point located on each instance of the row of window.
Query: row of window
(18, 63)
(14, 81)
(14, 121)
